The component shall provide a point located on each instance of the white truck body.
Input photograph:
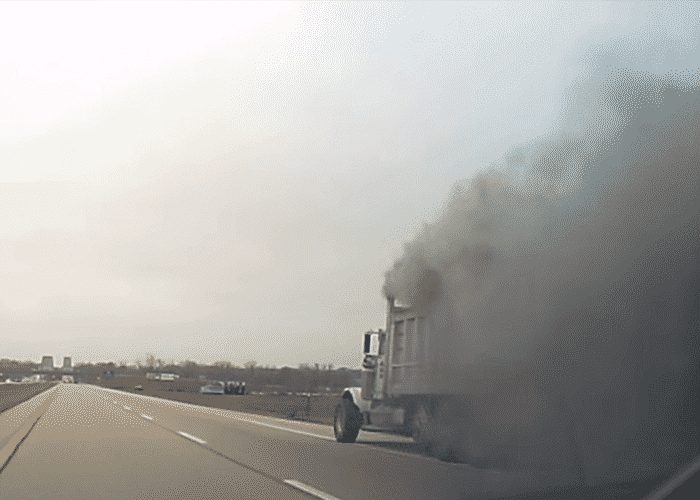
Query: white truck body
(396, 372)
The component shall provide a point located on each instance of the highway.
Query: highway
(83, 442)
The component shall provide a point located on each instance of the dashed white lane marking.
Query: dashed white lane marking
(281, 428)
(191, 437)
(218, 411)
(310, 490)
(127, 408)
(234, 415)
(227, 414)
(147, 417)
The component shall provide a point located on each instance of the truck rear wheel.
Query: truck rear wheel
(440, 431)
(452, 428)
(347, 421)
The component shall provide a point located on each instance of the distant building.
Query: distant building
(67, 364)
(47, 363)
(162, 376)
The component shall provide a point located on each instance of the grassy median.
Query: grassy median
(14, 394)
(315, 408)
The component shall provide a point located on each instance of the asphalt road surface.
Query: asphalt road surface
(84, 442)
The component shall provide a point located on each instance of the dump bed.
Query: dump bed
(414, 365)
(408, 352)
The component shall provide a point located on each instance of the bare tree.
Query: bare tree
(150, 360)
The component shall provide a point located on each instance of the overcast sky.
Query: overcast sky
(229, 181)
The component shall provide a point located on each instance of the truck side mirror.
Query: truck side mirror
(371, 344)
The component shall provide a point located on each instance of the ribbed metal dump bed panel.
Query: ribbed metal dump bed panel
(409, 353)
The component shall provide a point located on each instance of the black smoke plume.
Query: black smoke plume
(572, 269)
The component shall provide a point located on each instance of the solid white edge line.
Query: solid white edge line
(281, 428)
(191, 437)
(310, 490)
(147, 417)
(234, 415)
(220, 411)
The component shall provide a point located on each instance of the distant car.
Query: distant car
(215, 388)
(138, 387)
(234, 387)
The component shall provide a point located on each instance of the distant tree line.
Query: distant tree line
(306, 377)
(14, 368)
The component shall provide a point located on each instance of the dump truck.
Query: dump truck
(420, 378)
(416, 381)
(399, 393)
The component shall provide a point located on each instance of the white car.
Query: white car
(213, 388)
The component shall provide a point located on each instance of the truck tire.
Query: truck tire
(451, 429)
(347, 421)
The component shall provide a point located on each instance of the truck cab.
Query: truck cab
(394, 384)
